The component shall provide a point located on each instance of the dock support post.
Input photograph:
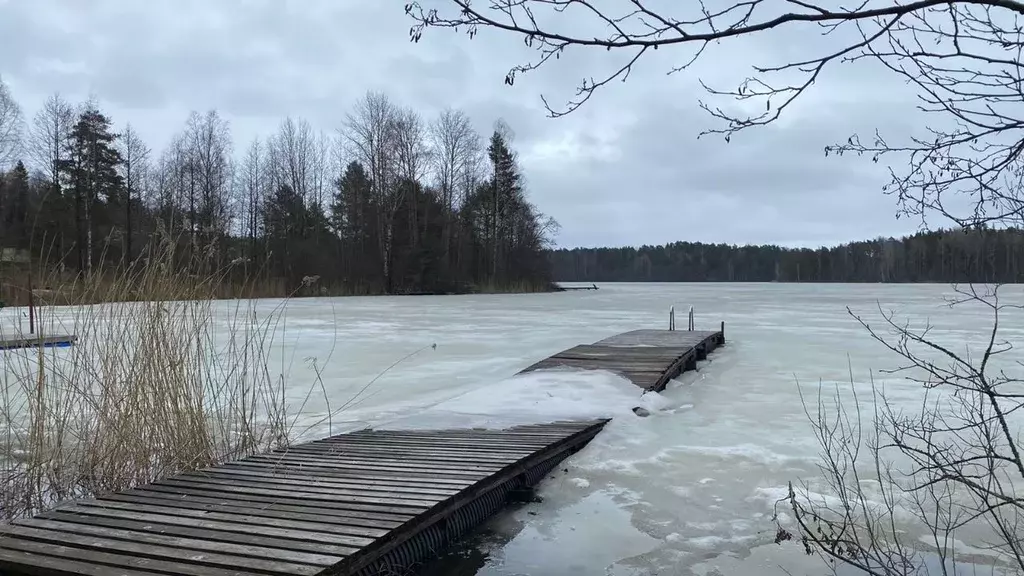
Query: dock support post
(690, 325)
(671, 318)
(723, 331)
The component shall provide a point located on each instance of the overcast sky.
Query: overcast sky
(627, 169)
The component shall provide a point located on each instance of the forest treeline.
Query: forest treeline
(960, 255)
(390, 202)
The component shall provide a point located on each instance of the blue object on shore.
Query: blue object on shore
(34, 341)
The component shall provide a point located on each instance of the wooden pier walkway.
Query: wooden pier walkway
(648, 358)
(363, 503)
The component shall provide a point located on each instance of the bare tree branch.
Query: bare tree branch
(11, 126)
(962, 57)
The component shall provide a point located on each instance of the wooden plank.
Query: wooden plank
(234, 517)
(435, 449)
(382, 504)
(411, 455)
(435, 461)
(593, 350)
(160, 552)
(214, 536)
(368, 476)
(216, 525)
(349, 510)
(662, 338)
(320, 489)
(604, 362)
(468, 443)
(117, 561)
(406, 463)
(468, 470)
(270, 509)
(19, 562)
(474, 469)
(335, 486)
(509, 435)
(608, 363)
(481, 441)
(323, 560)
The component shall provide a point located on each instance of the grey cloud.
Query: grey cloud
(625, 169)
(773, 185)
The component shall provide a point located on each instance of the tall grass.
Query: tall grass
(163, 379)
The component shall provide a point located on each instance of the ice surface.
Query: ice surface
(688, 490)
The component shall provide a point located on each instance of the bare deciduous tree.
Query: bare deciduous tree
(368, 135)
(49, 136)
(325, 171)
(456, 152)
(292, 151)
(11, 125)
(208, 151)
(253, 182)
(134, 168)
(410, 141)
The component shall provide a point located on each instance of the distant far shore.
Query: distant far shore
(14, 291)
(935, 256)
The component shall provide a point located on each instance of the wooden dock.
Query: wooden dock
(648, 358)
(368, 502)
(364, 503)
(33, 341)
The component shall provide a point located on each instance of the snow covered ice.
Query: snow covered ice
(689, 489)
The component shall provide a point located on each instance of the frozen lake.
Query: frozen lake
(689, 490)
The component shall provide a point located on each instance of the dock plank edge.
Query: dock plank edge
(409, 546)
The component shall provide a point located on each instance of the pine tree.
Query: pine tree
(91, 170)
(354, 219)
(506, 192)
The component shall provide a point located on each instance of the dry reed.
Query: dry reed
(163, 379)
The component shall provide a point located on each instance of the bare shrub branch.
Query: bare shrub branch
(950, 467)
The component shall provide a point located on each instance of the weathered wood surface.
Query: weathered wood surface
(340, 505)
(648, 358)
(32, 341)
(660, 338)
